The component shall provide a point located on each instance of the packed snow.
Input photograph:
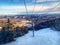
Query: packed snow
(45, 36)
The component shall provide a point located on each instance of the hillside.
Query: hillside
(45, 36)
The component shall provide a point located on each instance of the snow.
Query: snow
(45, 36)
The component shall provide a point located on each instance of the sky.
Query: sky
(14, 7)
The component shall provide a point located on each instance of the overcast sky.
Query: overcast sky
(41, 6)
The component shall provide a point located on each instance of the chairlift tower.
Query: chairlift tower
(33, 29)
(32, 13)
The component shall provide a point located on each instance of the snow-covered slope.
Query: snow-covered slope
(42, 37)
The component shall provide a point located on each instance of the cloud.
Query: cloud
(47, 0)
(14, 9)
(20, 9)
(54, 9)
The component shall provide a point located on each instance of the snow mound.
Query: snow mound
(42, 37)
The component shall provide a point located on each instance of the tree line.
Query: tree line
(8, 33)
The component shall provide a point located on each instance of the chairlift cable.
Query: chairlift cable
(33, 11)
(25, 7)
(52, 8)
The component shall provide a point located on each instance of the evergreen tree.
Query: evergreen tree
(56, 25)
(6, 35)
